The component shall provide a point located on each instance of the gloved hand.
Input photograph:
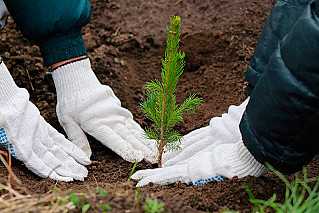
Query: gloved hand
(85, 105)
(29, 138)
(3, 13)
(208, 154)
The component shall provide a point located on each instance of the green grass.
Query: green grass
(132, 171)
(299, 196)
(153, 206)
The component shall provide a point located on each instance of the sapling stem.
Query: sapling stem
(160, 102)
(132, 171)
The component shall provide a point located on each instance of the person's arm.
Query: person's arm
(281, 123)
(281, 18)
(84, 105)
(53, 25)
(30, 139)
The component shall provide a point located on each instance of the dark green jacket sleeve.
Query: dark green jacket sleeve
(280, 21)
(54, 25)
(281, 122)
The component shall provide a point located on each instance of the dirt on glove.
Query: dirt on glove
(125, 42)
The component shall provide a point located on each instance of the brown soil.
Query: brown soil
(125, 41)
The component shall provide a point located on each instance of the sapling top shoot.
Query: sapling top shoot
(160, 102)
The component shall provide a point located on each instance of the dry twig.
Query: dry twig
(32, 203)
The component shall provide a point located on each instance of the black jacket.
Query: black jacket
(281, 123)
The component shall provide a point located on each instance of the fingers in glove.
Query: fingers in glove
(131, 134)
(137, 130)
(45, 148)
(151, 154)
(76, 135)
(162, 176)
(192, 150)
(69, 162)
(207, 149)
(55, 176)
(37, 166)
(136, 142)
(189, 140)
(68, 147)
(59, 166)
(115, 142)
(144, 173)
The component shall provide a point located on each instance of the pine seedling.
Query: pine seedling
(160, 102)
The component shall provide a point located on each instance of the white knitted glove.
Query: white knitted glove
(29, 138)
(208, 154)
(224, 129)
(85, 105)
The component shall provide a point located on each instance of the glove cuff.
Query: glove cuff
(8, 89)
(62, 46)
(74, 78)
(244, 163)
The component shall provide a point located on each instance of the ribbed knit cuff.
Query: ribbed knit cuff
(62, 46)
(8, 88)
(74, 78)
(244, 163)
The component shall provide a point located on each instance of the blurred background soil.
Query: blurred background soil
(125, 42)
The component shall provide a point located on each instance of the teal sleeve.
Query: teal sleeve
(54, 25)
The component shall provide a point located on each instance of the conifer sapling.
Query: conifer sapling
(160, 102)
